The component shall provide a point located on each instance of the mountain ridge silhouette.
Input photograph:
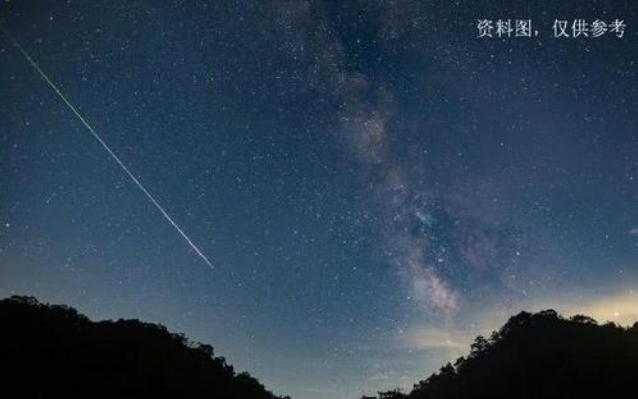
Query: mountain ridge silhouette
(539, 355)
(51, 351)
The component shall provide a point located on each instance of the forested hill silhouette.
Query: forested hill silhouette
(49, 351)
(54, 352)
(541, 355)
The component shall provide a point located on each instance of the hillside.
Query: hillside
(53, 351)
(541, 355)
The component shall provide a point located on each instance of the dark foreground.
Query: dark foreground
(54, 352)
(541, 356)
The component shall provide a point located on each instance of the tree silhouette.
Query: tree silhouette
(53, 352)
(541, 355)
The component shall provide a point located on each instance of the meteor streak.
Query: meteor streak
(105, 146)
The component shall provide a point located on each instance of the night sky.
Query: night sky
(373, 183)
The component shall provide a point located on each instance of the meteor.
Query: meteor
(86, 124)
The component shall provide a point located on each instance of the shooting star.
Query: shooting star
(86, 124)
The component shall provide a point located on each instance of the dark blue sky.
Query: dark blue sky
(374, 184)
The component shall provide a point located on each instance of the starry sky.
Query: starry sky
(374, 184)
